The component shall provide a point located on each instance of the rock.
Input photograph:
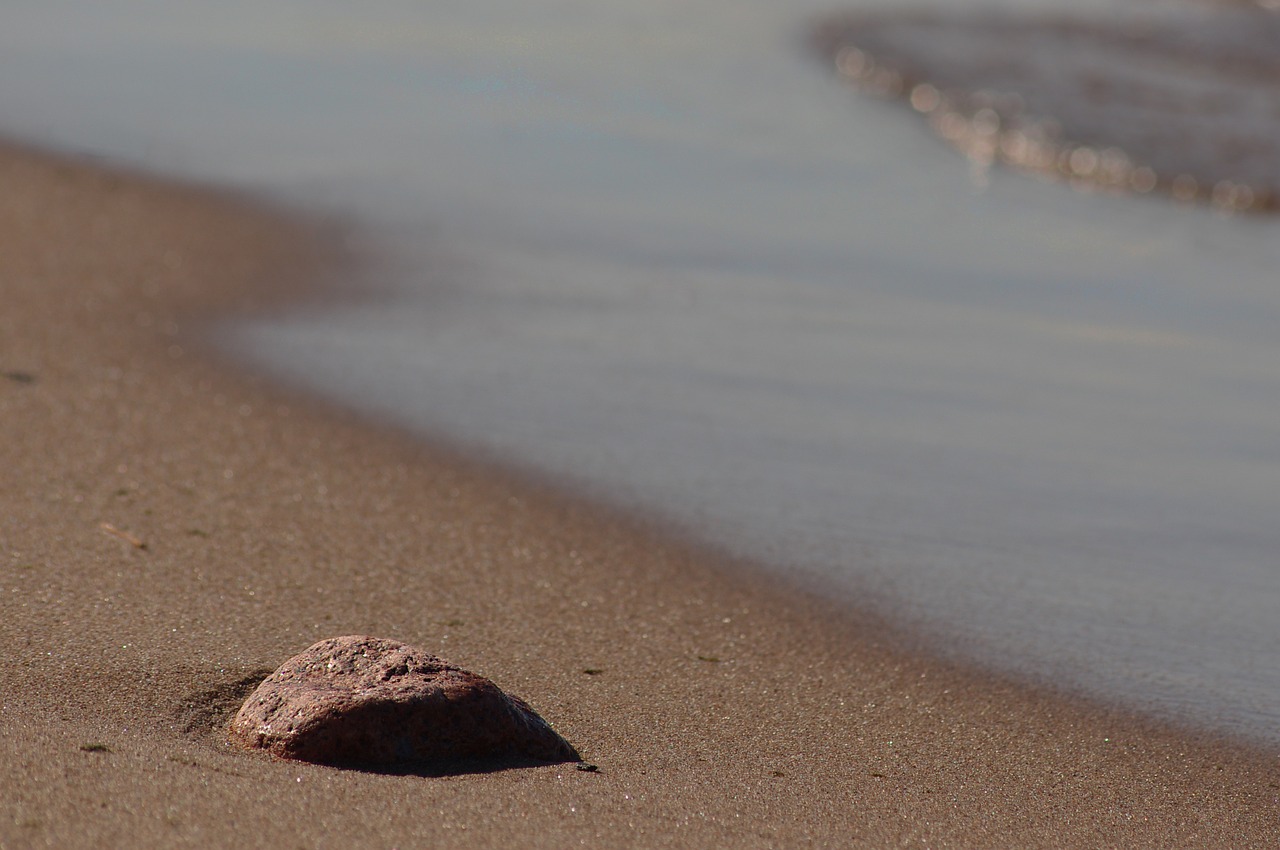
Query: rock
(360, 700)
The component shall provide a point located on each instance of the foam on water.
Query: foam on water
(1186, 105)
(658, 250)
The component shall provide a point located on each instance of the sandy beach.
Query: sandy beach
(171, 529)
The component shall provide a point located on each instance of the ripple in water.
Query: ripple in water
(1188, 106)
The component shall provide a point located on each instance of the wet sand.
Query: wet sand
(171, 529)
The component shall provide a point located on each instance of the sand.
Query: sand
(172, 528)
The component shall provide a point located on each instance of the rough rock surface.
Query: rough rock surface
(362, 700)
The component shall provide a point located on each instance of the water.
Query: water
(657, 250)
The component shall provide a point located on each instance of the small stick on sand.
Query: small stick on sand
(123, 535)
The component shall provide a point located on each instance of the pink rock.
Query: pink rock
(367, 701)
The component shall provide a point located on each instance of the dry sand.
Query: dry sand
(724, 709)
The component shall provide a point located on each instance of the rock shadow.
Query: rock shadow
(444, 768)
(205, 714)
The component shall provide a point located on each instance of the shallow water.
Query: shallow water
(661, 251)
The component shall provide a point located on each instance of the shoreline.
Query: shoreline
(728, 706)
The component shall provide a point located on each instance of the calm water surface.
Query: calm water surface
(659, 251)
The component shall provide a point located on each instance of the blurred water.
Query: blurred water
(659, 251)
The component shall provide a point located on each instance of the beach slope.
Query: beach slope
(171, 529)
